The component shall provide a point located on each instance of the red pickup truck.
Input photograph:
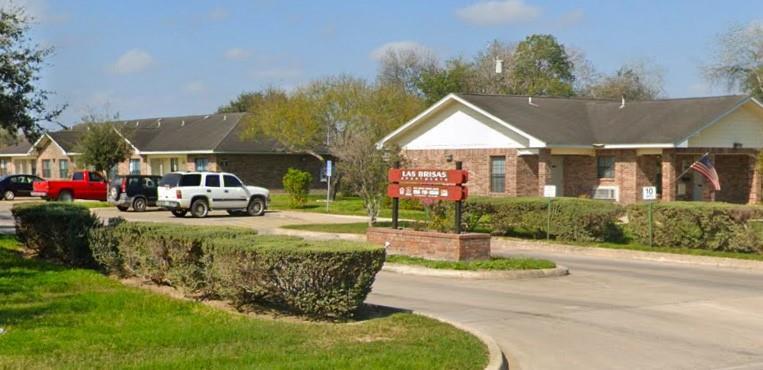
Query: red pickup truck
(83, 185)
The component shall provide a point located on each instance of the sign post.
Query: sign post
(329, 164)
(649, 194)
(549, 191)
(427, 186)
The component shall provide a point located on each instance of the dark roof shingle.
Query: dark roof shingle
(575, 121)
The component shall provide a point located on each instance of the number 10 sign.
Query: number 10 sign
(649, 193)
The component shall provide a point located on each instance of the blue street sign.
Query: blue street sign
(328, 168)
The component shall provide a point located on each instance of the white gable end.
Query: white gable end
(743, 126)
(459, 127)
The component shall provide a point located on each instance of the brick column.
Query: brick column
(755, 182)
(544, 169)
(668, 175)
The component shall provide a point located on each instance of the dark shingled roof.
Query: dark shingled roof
(67, 139)
(575, 121)
(21, 148)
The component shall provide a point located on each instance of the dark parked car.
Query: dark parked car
(12, 186)
(136, 191)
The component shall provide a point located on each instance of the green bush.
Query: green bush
(296, 183)
(714, 226)
(56, 231)
(572, 219)
(315, 279)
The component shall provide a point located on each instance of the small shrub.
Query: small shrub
(315, 279)
(56, 231)
(297, 184)
(713, 226)
(571, 219)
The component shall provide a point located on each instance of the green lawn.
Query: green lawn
(93, 204)
(56, 317)
(495, 263)
(361, 227)
(348, 228)
(340, 206)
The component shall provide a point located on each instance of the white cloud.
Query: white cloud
(379, 52)
(132, 61)
(237, 54)
(195, 87)
(497, 12)
(572, 18)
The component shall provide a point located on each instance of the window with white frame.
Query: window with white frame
(605, 167)
(46, 170)
(3, 167)
(134, 167)
(174, 164)
(63, 168)
(201, 164)
(497, 174)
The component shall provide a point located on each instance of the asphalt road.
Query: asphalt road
(608, 314)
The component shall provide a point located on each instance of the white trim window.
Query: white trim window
(201, 164)
(63, 168)
(3, 167)
(134, 167)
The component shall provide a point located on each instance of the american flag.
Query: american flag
(705, 167)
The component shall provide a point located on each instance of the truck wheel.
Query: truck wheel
(123, 208)
(139, 204)
(9, 195)
(256, 207)
(199, 208)
(179, 212)
(65, 196)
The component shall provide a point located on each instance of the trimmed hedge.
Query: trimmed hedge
(714, 226)
(317, 279)
(572, 219)
(56, 231)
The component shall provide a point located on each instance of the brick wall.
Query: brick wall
(267, 170)
(54, 154)
(521, 171)
(432, 245)
(735, 176)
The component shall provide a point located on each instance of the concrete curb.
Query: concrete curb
(496, 358)
(316, 235)
(507, 244)
(482, 275)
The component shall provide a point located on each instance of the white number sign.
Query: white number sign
(649, 192)
(549, 191)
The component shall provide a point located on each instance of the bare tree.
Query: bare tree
(403, 67)
(738, 59)
(486, 76)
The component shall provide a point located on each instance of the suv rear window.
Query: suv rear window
(171, 179)
(190, 180)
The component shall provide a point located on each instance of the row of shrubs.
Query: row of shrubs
(713, 226)
(327, 280)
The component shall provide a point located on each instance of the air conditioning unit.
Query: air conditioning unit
(606, 193)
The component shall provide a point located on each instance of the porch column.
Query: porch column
(755, 183)
(544, 169)
(668, 175)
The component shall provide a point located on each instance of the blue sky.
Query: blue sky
(163, 58)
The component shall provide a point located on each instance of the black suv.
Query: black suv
(136, 191)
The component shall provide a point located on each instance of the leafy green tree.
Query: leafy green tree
(454, 78)
(541, 66)
(22, 104)
(249, 101)
(102, 145)
(738, 60)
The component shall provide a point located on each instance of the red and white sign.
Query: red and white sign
(423, 191)
(425, 176)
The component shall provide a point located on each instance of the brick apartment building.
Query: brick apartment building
(515, 145)
(163, 145)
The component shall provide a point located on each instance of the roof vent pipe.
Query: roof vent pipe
(225, 116)
(622, 102)
(530, 101)
(182, 123)
(498, 66)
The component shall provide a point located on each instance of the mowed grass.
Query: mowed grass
(495, 263)
(93, 204)
(345, 228)
(340, 206)
(56, 317)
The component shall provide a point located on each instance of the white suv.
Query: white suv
(200, 192)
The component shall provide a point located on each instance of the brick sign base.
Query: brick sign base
(432, 245)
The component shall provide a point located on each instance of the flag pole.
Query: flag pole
(675, 180)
